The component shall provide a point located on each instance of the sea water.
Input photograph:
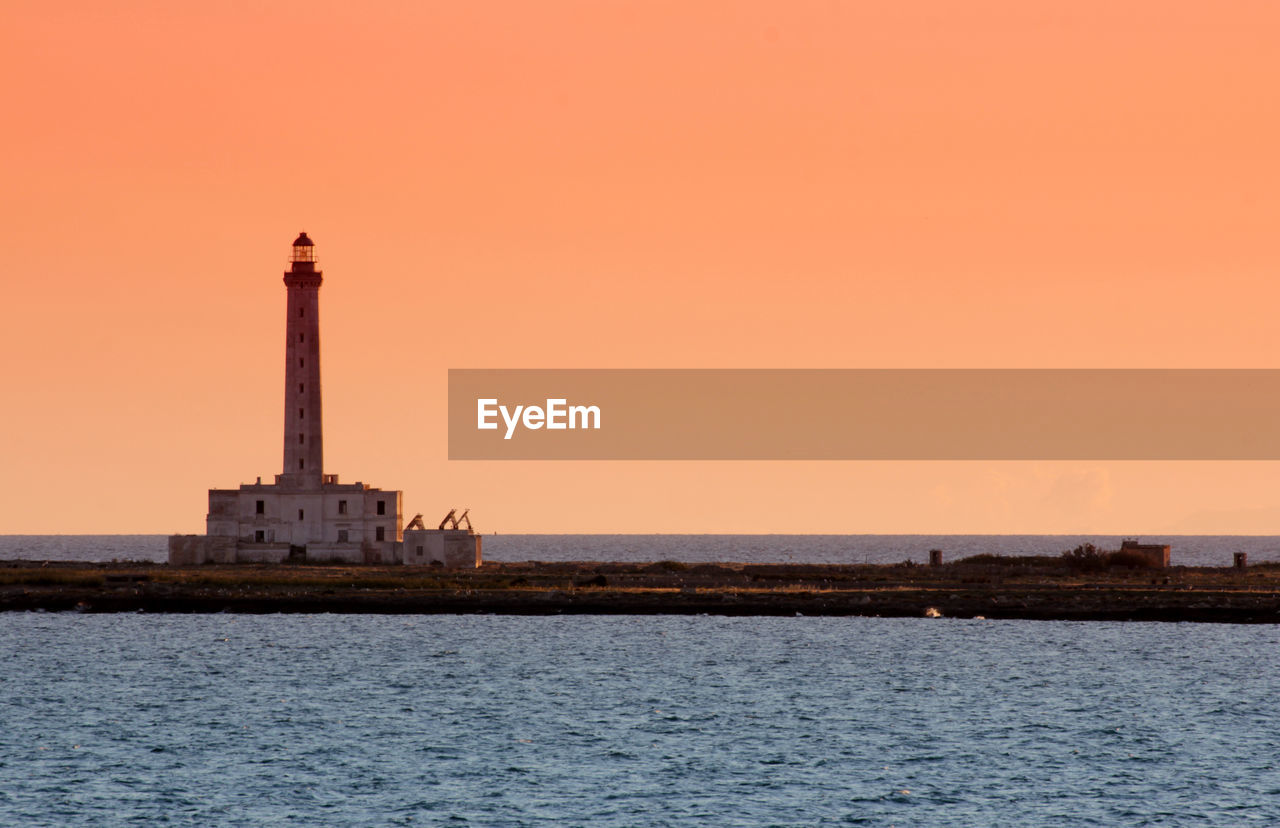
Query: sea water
(325, 720)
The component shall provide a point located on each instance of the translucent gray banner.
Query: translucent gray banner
(923, 414)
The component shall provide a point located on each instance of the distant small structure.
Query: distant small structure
(1156, 554)
(935, 557)
(449, 545)
(1241, 560)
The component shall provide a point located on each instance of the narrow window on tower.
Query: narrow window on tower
(302, 439)
(379, 533)
(302, 337)
(342, 507)
(302, 311)
(302, 363)
(301, 413)
(302, 464)
(261, 507)
(300, 513)
(382, 507)
(302, 386)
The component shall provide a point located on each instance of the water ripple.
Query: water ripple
(355, 720)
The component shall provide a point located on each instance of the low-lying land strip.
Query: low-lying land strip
(981, 587)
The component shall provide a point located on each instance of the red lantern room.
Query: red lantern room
(304, 253)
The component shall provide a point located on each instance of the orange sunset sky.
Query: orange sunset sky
(615, 184)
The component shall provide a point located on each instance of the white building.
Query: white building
(307, 514)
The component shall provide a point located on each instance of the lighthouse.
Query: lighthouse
(303, 432)
(305, 514)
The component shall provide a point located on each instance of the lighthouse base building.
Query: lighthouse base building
(307, 515)
(276, 522)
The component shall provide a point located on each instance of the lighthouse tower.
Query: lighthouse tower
(303, 434)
